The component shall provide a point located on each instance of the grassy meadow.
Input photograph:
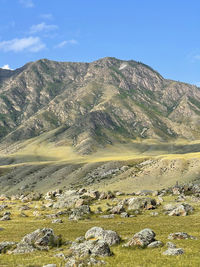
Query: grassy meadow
(162, 224)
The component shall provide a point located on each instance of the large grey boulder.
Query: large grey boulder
(91, 247)
(80, 212)
(178, 209)
(67, 199)
(40, 239)
(142, 238)
(136, 203)
(98, 233)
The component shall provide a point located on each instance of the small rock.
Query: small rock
(173, 251)
(57, 221)
(170, 245)
(180, 235)
(155, 244)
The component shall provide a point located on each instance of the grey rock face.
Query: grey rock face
(142, 238)
(173, 251)
(98, 233)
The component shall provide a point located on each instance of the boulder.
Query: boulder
(80, 213)
(67, 199)
(91, 247)
(181, 210)
(155, 244)
(180, 235)
(137, 203)
(74, 262)
(40, 239)
(170, 245)
(178, 209)
(173, 251)
(4, 246)
(98, 233)
(142, 238)
(109, 216)
(118, 209)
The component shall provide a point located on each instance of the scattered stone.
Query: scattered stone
(142, 238)
(173, 251)
(155, 244)
(137, 203)
(91, 247)
(40, 239)
(98, 233)
(57, 221)
(170, 245)
(109, 216)
(4, 246)
(180, 235)
(154, 214)
(124, 215)
(80, 213)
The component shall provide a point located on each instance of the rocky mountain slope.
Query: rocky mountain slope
(93, 104)
(89, 107)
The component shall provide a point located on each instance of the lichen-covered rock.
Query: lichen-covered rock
(4, 246)
(180, 235)
(80, 212)
(178, 209)
(40, 239)
(173, 251)
(98, 233)
(137, 203)
(67, 199)
(155, 244)
(142, 238)
(91, 247)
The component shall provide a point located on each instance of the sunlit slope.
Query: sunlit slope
(141, 164)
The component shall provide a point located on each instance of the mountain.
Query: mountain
(89, 107)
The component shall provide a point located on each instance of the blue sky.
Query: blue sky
(163, 34)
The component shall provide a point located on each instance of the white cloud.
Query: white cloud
(66, 42)
(27, 3)
(6, 67)
(30, 44)
(42, 27)
(46, 16)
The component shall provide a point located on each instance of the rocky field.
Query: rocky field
(87, 228)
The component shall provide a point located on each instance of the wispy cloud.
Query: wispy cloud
(27, 3)
(196, 57)
(30, 44)
(6, 67)
(46, 16)
(66, 42)
(42, 27)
